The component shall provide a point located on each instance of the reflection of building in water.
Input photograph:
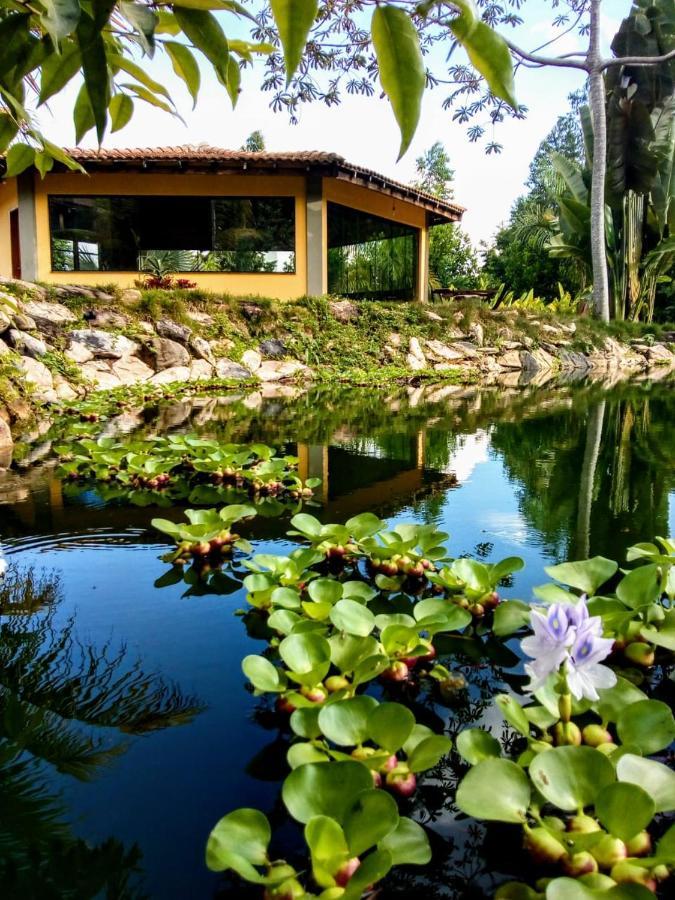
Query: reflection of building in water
(360, 474)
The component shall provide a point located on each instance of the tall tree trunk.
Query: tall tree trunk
(596, 95)
(596, 418)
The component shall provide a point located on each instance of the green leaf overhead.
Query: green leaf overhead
(488, 52)
(121, 110)
(61, 17)
(95, 71)
(294, 19)
(401, 66)
(203, 29)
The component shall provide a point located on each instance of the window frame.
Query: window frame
(141, 197)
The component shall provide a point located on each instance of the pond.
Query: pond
(153, 735)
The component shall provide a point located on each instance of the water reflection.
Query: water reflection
(543, 473)
(66, 707)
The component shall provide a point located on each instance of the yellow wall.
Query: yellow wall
(281, 285)
(8, 201)
(338, 191)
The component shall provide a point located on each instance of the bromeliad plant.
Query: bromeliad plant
(184, 467)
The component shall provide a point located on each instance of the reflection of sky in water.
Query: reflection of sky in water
(170, 787)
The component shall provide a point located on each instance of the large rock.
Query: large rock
(5, 318)
(659, 355)
(439, 350)
(477, 333)
(39, 376)
(415, 363)
(26, 344)
(62, 389)
(226, 368)
(344, 311)
(5, 436)
(251, 359)
(201, 318)
(102, 344)
(130, 297)
(27, 287)
(108, 318)
(4, 349)
(78, 353)
(536, 360)
(273, 348)
(163, 353)
(171, 374)
(100, 373)
(23, 323)
(510, 360)
(131, 370)
(50, 317)
(467, 350)
(272, 370)
(202, 349)
(172, 330)
(201, 370)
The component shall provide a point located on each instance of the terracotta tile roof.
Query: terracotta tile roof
(306, 159)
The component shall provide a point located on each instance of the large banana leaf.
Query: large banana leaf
(572, 175)
(631, 160)
(663, 188)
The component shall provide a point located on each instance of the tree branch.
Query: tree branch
(558, 61)
(638, 60)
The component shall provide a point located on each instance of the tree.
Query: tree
(255, 142)
(434, 174)
(453, 262)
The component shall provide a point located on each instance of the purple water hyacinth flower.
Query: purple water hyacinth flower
(568, 636)
(584, 673)
(550, 643)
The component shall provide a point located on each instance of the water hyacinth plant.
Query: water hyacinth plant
(184, 466)
(361, 620)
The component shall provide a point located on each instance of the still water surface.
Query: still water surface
(544, 474)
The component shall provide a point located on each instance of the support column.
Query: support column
(317, 261)
(25, 185)
(422, 292)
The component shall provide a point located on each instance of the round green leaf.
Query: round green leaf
(624, 809)
(303, 653)
(429, 752)
(262, 674)
(571, 777)
(614, 700)
(307, 524)
(239, 841)
(305, 722)
(475, 745)
(364, 525)
(654, 777)
(648, 724)
(325, 590)
(390, 725)
(496, 790)
(640, 587)
(283, 621)
(286, 597)
(408, 844)
(352, 617)
(320, 789)
(325, 838)
(587, 575)
(358, 590)
(346, 722)
(573, 889)
(371, 818)
(303, 753)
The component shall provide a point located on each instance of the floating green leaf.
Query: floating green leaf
(624, 809)
(571, 777)
(648, 724)
(475, 745)
(390, 725)
(495, 789)
(346, 722)
(653, 777)
(239, 841)
(318, 789)
(587, 575)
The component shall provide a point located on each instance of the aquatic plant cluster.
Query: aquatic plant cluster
(360, 609)
(182, 466)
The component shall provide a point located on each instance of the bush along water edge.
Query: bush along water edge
(361, 604)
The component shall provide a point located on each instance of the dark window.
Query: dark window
(173, 234)
(369, 256)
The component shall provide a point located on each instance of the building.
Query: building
(276, 225)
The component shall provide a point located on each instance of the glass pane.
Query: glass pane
(369, 256)
(173, 234)
(93, 233)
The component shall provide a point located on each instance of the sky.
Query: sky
(363, 130)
